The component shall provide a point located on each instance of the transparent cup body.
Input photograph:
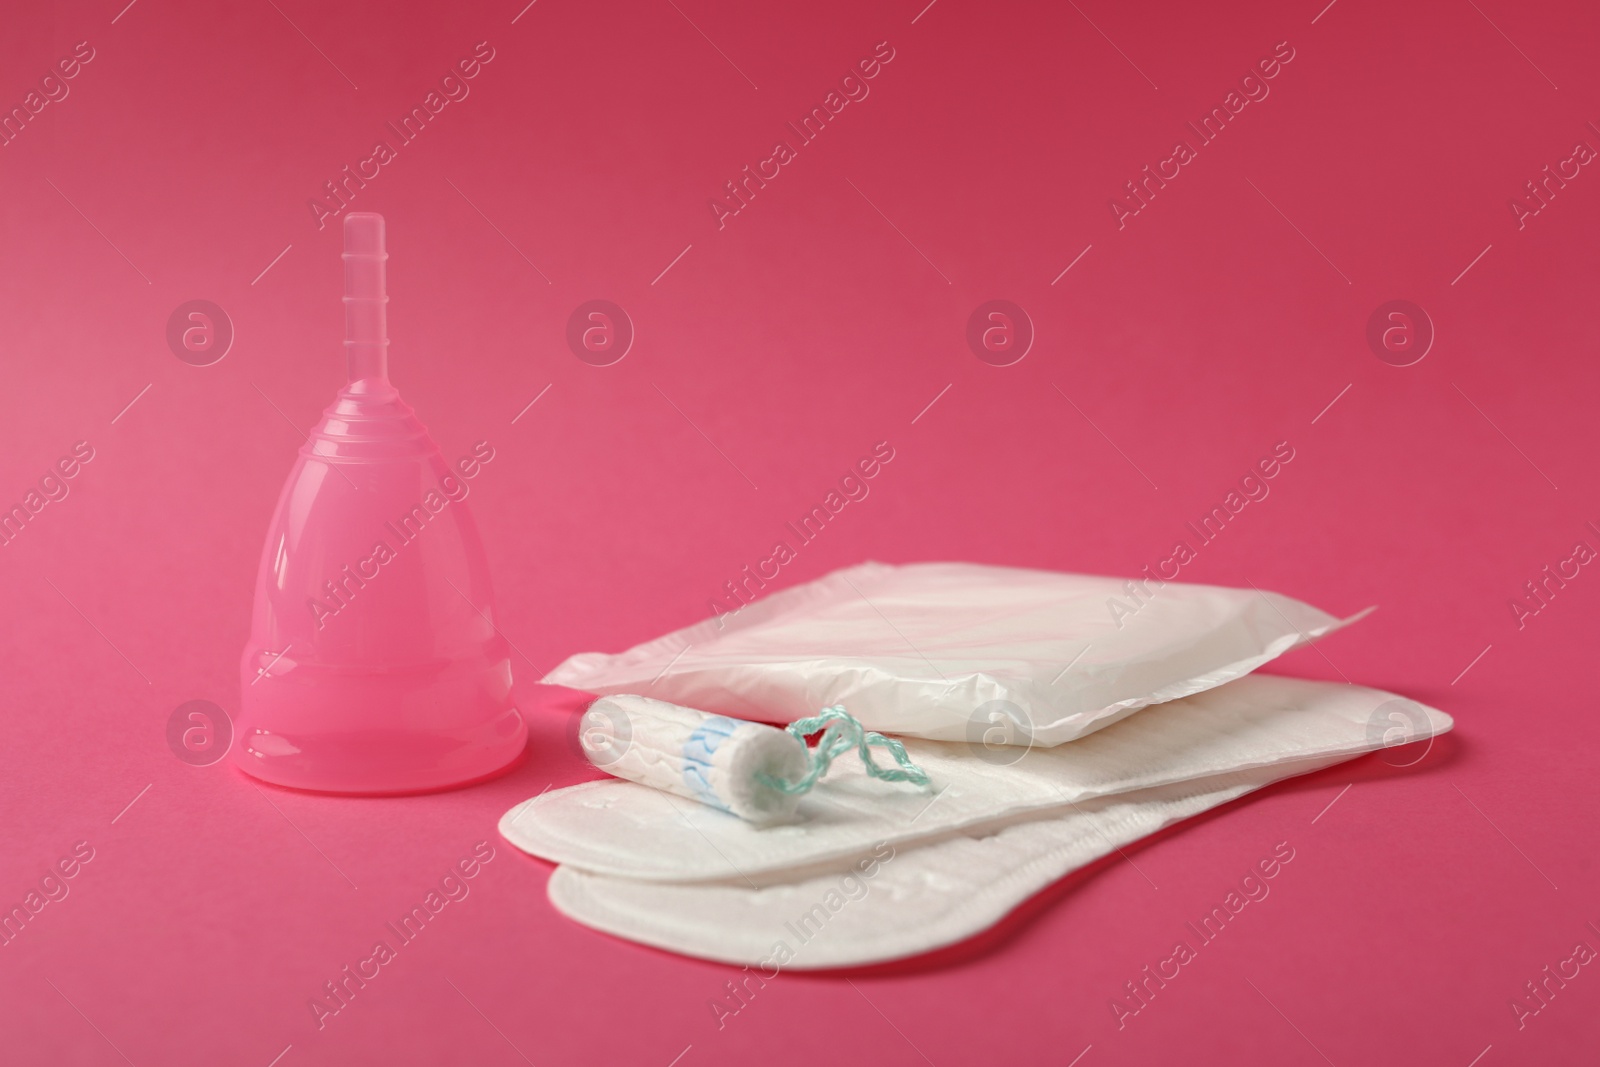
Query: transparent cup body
(374, 665)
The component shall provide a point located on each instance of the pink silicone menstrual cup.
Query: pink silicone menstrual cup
(374, 665)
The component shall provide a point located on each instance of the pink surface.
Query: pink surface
(1224, 317)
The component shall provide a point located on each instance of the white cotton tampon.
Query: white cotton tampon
(713, 759)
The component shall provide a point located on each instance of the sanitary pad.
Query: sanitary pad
(896, 902)
(628, 830)
(960, 651)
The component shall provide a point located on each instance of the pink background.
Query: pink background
(1208, 329)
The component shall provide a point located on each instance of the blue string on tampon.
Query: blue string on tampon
(841, 733)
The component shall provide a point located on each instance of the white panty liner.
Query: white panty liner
(900, 902)
(626, 830)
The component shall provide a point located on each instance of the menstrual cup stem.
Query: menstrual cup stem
(366, 331)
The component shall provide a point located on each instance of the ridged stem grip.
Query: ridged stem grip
(366, 329)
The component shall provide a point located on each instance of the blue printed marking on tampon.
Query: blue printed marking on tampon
(698, 751)
(695, 779)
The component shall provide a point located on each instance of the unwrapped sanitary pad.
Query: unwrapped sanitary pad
(961, 651)
(1288, 725)
(895, 902)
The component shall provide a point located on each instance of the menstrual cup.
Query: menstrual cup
(374, 665)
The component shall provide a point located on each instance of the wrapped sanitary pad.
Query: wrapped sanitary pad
(961, 652)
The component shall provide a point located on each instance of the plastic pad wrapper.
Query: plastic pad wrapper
(961, 651)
